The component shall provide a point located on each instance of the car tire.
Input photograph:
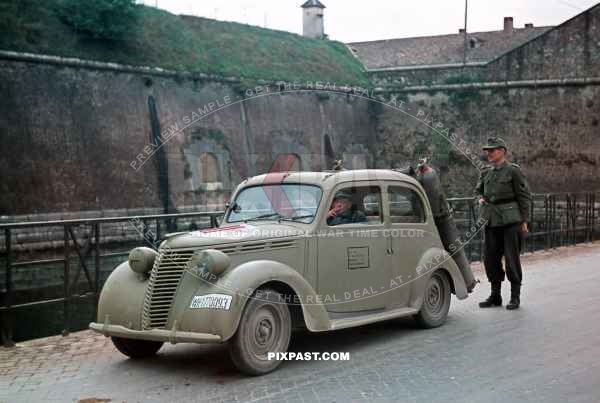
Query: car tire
(136, 348)
(265, 327)
(436, 301)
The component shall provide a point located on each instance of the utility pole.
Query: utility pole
(465, 35)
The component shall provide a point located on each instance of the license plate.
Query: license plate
(211, 301)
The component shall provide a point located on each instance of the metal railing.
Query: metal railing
(150, 227)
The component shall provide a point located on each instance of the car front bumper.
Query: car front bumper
(171, 336)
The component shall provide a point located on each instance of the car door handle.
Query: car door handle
(389, 251)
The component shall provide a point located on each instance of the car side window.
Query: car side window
(405, 205)
(358, 204)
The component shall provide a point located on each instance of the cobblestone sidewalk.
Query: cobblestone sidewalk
(389, 361)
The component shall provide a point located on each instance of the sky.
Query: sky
(355, 20)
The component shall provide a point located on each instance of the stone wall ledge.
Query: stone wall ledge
(127, 68)
(100, 65)
(564, 82)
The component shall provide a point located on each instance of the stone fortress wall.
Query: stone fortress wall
(70, 132)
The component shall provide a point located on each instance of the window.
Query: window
(356, 205)
(405, 205)
(293, 202)
(474, 43)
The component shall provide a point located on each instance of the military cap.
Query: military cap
(495, 142)
(343, 195)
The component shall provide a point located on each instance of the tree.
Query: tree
(103, 19)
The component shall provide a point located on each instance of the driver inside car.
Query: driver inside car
(341, 211)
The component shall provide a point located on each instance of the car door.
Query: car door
(353, 267)
(409, 237)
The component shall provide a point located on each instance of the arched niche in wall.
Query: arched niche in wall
(208, 162)
(208, 168)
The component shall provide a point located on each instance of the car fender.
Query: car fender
(121, 300)
(433, 259)
(241, 282)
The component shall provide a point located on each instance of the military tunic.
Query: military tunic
(507, 205)
(507, 195)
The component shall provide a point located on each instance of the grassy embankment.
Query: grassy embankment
(183, 43)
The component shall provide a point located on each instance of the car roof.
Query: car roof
(328, 179)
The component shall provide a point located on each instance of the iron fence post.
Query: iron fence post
(555, 236)
(98, 265)
(592, 207)
(547, 222)
(6, 325)
(593, 217)
(574, 214)
(66, 275)
(567, 236)
(157, 233)
(561, 232)
(586, 213)
(532, 225)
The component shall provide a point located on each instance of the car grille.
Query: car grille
(164, 279)
(167, 272)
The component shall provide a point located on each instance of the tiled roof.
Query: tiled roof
(312, 3)
(442, 49)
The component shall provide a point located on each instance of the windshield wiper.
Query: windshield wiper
(260, 217)
(298, 217)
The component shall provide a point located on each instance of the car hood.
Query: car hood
(231, 233)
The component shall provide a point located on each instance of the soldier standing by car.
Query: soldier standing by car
(505, 200)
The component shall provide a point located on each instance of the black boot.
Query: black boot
(495, 298)
(515, 297)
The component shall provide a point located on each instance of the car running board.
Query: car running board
(336, 324)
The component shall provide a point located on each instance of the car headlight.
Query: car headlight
(141, 259)
(215, 261)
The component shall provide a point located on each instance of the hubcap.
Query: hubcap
(266, 328)
(434, 298)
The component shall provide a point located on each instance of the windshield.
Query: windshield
(293, 202)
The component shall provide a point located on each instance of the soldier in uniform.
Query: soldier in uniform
(341, 211)
(505, 200)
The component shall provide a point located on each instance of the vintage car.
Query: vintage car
(275, 264)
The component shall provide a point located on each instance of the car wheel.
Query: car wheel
(136, 348)
(436, 301)
(265, 327)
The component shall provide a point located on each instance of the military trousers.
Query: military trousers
(503, 241)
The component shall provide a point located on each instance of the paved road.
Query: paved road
(549, 351)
